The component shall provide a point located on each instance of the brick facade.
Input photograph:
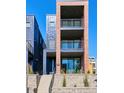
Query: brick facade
(85, 37)
(84, 58)
(58, 41)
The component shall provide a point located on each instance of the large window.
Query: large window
(71, 65)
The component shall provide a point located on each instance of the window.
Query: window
(94, 65)
(28, 25)
(70, 65)
(52, 24)
(52, 18)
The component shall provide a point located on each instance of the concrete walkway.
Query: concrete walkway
(44, 84)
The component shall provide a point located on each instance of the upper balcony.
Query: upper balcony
(71, 24)
(71, 46)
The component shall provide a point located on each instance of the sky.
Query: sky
(40, 8)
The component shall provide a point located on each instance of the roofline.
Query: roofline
(50, 14)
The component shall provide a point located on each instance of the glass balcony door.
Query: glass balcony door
(70, 65)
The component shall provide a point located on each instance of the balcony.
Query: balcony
(71, 46)
(71, 24)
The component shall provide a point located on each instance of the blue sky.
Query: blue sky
(40, 8)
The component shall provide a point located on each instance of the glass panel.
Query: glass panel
(71, 23)
(71, 65)
(64, 65)
(77, 23)
(64, 23)
(77, 44)
(70, 44)
(77, 65)
(64, 44)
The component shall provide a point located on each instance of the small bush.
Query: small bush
(75, 85)
(30, 71)
(86, 83)
(64, 81)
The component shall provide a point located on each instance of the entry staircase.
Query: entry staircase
(45, 83)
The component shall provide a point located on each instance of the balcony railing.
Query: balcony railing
(71, 44)
(29, 46)
(71, 23)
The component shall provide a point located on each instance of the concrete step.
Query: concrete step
(44, 84)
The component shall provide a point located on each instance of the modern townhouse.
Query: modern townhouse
(34, 46)
(67, 38)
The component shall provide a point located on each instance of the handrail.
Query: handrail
(51, 84)
(73, 44)
(71, 22)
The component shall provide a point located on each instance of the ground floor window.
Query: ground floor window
(70, 65)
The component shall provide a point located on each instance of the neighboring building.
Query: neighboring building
(51, 31)
(92, 65)
(35, 45)
(49, 52)
(67, 38)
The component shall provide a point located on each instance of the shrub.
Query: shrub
(64, 81)
(75, 85)
(86, 83)
(30, 71)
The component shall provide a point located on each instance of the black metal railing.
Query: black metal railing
(71, 23)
